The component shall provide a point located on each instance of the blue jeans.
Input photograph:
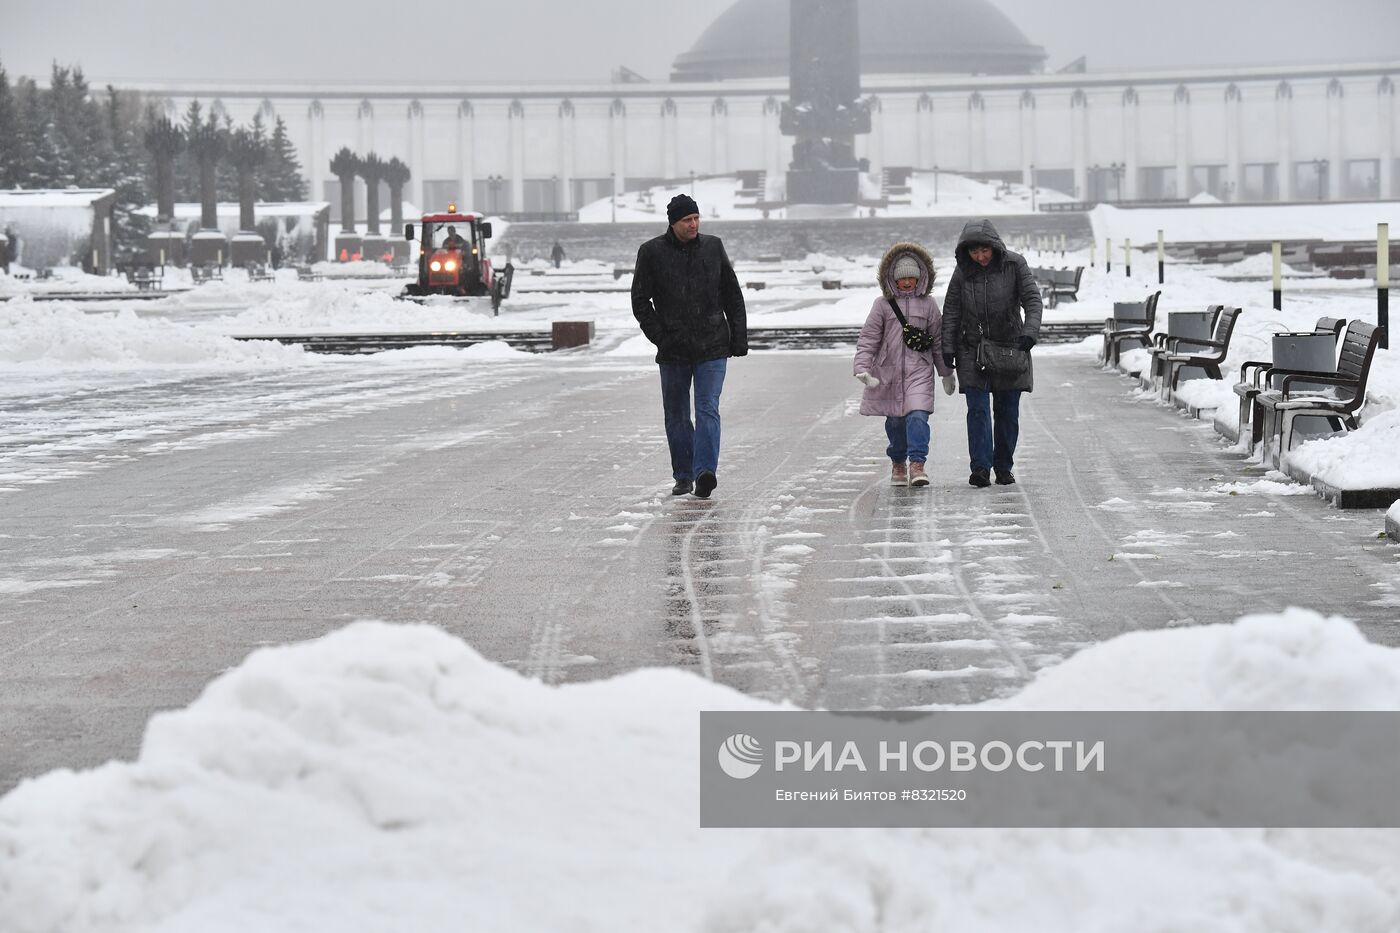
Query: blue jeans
(993, 424)
(694, 446)
(908, 437)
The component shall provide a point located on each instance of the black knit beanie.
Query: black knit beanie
(682, 205)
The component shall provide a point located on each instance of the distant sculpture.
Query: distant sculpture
(825, 113)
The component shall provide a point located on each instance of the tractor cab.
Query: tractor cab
(452, 258)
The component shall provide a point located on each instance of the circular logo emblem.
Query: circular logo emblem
(741, 756)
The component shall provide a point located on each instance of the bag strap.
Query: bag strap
(902, 321)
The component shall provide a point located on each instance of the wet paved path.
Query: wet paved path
(154, 535)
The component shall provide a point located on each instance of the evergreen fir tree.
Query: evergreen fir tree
(39, 163)
(187, 167)
(225, 175)
(126, 173)
(9, 134)
(283, 178)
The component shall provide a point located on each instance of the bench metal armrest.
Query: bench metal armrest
(1263, 366)
(1322, 378)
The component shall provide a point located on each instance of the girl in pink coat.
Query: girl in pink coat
(899, 381)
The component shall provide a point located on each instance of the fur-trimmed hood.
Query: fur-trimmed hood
(925, 261)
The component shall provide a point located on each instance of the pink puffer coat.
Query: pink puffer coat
(906, 377)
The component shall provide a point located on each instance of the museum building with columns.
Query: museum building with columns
(957, 88)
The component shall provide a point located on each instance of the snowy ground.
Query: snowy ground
(389, 776)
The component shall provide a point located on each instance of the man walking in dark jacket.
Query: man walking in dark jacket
(687, 300)
(991, 295)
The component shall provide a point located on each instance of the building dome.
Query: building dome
(750, 40)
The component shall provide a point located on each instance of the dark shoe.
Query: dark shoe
(980, 478)
(1005, 478)
(705, 484)
(682, 487)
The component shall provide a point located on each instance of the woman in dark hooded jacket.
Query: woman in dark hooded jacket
(991, 295)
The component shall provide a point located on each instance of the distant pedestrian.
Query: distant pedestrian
(557, 254)
(897, 354)
(687, 300)
(993, 298)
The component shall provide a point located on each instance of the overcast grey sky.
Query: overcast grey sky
(539, 40)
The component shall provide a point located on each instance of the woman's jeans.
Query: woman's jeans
(694, 446)
(993, 424)
(908, 437)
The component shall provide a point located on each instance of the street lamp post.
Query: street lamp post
(612, 194)
(1032, 187)
(494, 183)
(1116, 170)
(1320, 168)
(935, 184)
(692, 183)
(553, 195)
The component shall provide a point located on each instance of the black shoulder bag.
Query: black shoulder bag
(1000, 359)
(915, 338)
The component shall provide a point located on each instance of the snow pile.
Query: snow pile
(388, 777)
(58, 336)
(1261, 265)
(1361, 459)
(1236, 223)
(328, 308)
(62, 279)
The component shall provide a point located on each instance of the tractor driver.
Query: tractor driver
(452, 240)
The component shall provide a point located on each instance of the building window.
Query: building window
(1260, 181)
(491, 195)
(1210, 179)
(1362, 180)
(438, 193)
(1159, 183)
(1310, 180)
(1056, 179)
(588, 190)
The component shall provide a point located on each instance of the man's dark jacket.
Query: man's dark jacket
(687, 299)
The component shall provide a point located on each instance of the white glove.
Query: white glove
(950, 384)
(868, 379)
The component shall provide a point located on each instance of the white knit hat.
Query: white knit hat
(907, 267)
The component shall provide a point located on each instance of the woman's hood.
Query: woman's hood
(978, 233)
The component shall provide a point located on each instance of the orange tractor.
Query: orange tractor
(452, 259)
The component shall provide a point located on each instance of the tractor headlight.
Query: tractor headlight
(435, 266)
(451, 264)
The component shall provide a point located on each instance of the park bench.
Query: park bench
(260, 272)
(145, 278)
(1117, 330)
(1276, 411)
(307, 274)
(1216, 349)
(1064, 284)
(1256, 375)
(205, 272)
(1165, 342)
